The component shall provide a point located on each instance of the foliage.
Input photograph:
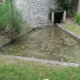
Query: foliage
(4, 15)
(77, 18)
(50, 12)
(15, 23)
(10, 18)
(68, 5)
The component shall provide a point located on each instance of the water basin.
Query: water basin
(49, 43)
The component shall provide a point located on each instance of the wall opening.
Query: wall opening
(58, 17)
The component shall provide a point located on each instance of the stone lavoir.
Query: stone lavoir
(35, 12)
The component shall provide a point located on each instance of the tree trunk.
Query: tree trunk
(74, 7)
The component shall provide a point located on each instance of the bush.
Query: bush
(15, 22)
(11, 18)
(77, 18)
(4, 15)
(69, 5)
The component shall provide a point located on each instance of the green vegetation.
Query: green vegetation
(73, 27)
(11, 19)
(77, 18)
(50, 12)
(69, 6)
(15, 69)
(15, 24)
(4, 15)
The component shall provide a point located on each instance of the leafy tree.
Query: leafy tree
(69, 5)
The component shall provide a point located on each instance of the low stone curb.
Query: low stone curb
(70, 33)
(42, 61)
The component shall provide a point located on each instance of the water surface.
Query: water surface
(49, 43)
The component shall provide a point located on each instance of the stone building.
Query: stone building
(35, 12)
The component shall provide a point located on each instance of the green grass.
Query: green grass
(15, 69)
(73, 27)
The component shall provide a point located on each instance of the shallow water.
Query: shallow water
(49, 43)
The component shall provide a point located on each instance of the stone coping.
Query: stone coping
(68, 32)
(52, 62)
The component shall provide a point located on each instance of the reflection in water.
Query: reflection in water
(48, 43)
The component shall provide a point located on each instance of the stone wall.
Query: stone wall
(35, 12)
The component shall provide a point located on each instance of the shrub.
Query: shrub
(77, 18)
(11, 18)
(15, 22)
(4, 15)
(50, 12)
(69, 5)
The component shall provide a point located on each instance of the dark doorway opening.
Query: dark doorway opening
(58, 17)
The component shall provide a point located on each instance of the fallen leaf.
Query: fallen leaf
(46, 79)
